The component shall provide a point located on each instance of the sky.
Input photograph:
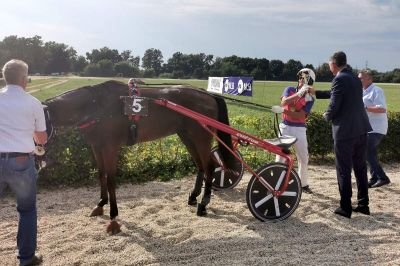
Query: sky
(368, 31)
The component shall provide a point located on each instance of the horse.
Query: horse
(98, 111)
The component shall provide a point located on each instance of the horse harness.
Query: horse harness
(134, 91)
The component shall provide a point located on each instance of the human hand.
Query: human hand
(325, 115)
(277, 109)
(311, 90)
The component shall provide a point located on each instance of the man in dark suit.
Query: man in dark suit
(349, 129)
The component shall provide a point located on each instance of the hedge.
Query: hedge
(71, 161)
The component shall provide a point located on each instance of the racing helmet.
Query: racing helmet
(307, 75)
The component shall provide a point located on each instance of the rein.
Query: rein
(87, 122)
(277, 130)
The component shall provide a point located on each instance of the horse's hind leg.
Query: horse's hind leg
(199, 146)
(98, 210)
(201, 207)
(200, 174)
(196, 189)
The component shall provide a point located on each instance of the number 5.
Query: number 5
(136, 106)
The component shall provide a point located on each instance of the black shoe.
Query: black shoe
(381, 182)
(307, 190)
(362, 209)
(36, 260)
(342, 212)
(371, 182)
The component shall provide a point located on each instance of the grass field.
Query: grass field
(266, 93)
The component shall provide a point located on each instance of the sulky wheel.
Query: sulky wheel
(224, 178)
(262, 204)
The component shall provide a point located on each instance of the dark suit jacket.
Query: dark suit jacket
(346, 109)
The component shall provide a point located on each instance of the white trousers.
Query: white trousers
(301, 148)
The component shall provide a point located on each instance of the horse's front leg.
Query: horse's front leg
(98, 210)
(110, 166)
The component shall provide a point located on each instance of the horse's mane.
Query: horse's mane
(106, 84)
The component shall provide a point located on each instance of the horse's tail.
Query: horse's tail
(227, 156)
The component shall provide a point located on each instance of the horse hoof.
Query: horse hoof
(201, 210)
(113, 228)
(192, 201)
(98, 211)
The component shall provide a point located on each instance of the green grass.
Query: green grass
(266, 93)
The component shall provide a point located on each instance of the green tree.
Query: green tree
(59, 57)
(290, 70)
(261, 71)
(79, 63)
(28, 49)
(104, 53)
(106, 68)
(126, 69)
(276, 68)
(92, 70)
(152, 60)
(323, 73)
(126, 55)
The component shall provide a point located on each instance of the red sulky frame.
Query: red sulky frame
(208, 123)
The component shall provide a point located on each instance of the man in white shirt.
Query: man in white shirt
(21, 123)
(375, 105)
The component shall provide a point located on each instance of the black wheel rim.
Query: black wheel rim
(263, 204)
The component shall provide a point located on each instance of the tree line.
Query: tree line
(47, 58)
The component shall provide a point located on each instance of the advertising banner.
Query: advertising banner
(215, 84)
(242, 86)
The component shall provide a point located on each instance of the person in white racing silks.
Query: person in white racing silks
(296, 104)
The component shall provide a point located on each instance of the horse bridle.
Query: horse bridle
(40, 150)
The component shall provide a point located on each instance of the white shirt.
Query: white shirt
(374, 96)
(21, 115)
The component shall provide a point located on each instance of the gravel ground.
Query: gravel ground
(159, 228)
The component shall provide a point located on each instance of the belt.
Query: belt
(13, 154)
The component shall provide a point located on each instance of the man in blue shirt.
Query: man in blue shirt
(375, 105)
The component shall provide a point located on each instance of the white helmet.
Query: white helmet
(307, 75)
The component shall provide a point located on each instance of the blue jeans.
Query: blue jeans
(20, 175)
(375, 170)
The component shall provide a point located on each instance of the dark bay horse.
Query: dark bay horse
(98, 111)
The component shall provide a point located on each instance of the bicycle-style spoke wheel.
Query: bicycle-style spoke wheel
(261, 202)
(226, 178)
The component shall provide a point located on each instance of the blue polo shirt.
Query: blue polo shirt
(374, 96)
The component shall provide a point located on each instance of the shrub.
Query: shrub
(167, 158)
